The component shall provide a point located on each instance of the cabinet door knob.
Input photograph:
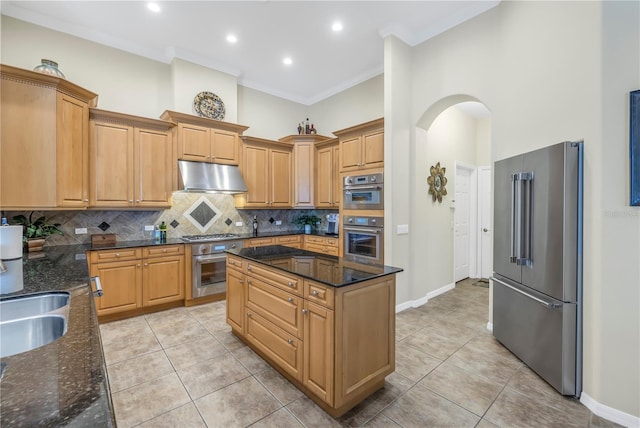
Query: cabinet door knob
(117, 254)
(241, 282)
(304, 312)
(138, 265)
(248, 281)
(146, 264)
(130, 201)
(249, 268)
(314, 293)
(137, 201)
(85, 200)
(290, 284)
(290, 341)
(290, 299)
(249, 315)
(164, 251)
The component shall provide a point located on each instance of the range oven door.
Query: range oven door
(368, 197)
(209, 274)
(364, 244)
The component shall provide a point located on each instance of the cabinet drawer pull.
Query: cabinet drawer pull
(290, 299)
(241, 281)
(146, 264)
(117, 254)
(249, 315)
(164, 251)
(138, 265)
(249, 268)
(290, 284)
(248, 281)
(290, 341)
(314, 293)
(304, 312)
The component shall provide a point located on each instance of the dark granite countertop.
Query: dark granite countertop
(63, 383)
(330, 270)
(286, 233)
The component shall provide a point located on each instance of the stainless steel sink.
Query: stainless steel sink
(30, 321)
(30, 333)
(32, 305)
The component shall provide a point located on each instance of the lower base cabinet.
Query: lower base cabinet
(135, 278)
(340, 348)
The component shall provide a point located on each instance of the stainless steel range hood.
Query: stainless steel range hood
(210, 177)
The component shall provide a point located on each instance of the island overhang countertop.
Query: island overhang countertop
(335, 271)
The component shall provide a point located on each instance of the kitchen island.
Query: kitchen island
(325, 323)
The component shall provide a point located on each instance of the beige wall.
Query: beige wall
(549, 72)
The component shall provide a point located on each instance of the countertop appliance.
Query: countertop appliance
(209, 262)
(363, 192)
(11, 277)
(537, 282)
(332, 220)
(363, 239)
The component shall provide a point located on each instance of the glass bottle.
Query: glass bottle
(49, 67)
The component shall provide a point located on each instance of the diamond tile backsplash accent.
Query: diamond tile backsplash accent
(129, 225)
(202, 214)
(104, 226)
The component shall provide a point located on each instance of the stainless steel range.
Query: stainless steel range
(209, 262)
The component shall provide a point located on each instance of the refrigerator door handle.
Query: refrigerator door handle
(520, 219)
(552, 305)
(512, 239)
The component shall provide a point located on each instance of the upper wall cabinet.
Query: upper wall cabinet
(206, 140)
(132, 161)
(44, 141)
(328, 188)
(267, 169)
(362, 146)
(303, 168)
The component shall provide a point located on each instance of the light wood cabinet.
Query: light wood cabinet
(304, 171)
(267, 169)
(335, 344)
(44, 141)
(293, 241)
(259, 242)
(362, 146)
(135, 278)
(322, 244)
(205, 140)
(131, 161)
(328, 187)
(235, 300)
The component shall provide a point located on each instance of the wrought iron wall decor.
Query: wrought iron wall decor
(437, 182)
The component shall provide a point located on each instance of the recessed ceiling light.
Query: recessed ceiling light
(337, 26)
(287, 61)
(231, 38)
(154, 7)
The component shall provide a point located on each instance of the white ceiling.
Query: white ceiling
(324, 62)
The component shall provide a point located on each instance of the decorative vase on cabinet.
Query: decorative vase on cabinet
(49, 67)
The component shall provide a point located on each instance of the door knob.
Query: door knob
(485, 229)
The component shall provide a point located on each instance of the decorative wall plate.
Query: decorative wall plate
(208, 104)
(437, 182)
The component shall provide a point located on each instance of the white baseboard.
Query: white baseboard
(421, 301)
(609, 413)
(489, 326)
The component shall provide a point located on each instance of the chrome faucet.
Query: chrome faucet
(3, 268)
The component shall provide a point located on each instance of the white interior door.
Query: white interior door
(461, 227)
(486, 234)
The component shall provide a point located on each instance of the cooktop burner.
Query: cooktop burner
(210, 237)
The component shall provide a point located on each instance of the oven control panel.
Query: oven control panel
(360, 180)
(364, 221)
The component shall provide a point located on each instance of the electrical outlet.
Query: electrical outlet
(238, 224)
(148, 228)
(81, 230)
(402, 229)
(278, 222)
(81, 256)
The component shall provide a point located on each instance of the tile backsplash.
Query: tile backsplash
(189, 215)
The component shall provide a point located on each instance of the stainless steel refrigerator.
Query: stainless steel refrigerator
(537, 260)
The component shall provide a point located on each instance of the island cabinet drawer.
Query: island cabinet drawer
(163, 250)
(235, 263)
(282, 348)
(281, 308)
(115, 255)
(259, 242)
(319, 293)
(289, 283)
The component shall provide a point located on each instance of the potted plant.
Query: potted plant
(309, 221)
(35, 231)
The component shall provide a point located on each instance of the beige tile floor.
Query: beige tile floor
(183, 368)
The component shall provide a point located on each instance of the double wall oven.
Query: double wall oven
(209, 262)
(363, 226)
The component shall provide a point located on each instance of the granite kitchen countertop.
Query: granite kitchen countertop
(330, 270)
(63, 383)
